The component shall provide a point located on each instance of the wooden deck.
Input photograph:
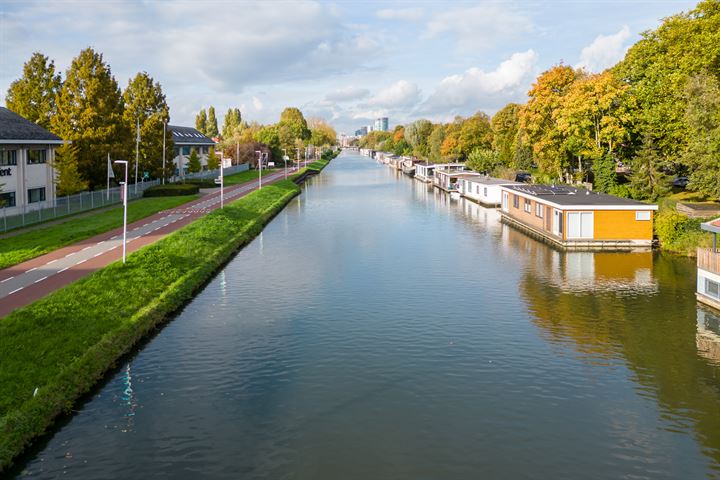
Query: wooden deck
(708, 260)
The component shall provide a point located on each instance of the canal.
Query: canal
(378, 330)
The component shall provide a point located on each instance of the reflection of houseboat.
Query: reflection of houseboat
(484, 189)
(708, 268)
(577, 218)
(707, 338)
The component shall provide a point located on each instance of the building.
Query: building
(361, 132)
(381, 124)
(484, 189)
(708, 268)
(577, 218)
(187, 139)
(27, 179)
(449, 180)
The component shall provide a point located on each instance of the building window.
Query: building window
(477, 189)
(712, 289)
(8, 157)
(36, 195)
(516, 201)
(35, 157)
(528, 206)
(643, 215)
(485, 191)
(538, 210)
(7, 199)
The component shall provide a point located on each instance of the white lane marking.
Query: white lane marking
(16, 290)
(70, 254)
(51, 262)
(85, 248)
(98, 254)
(81, 261)
(60, 271)
(9, 278)
(34, 268)
(40, 279)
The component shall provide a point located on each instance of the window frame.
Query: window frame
(39, 189)
(8, 204)
(646, 213)
(8, 162)
(30, 161)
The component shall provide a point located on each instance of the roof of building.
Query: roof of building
(17, 129)
(188, 136)
(485, 180)
(564, 195)
(711, 226)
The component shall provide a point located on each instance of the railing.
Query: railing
(709, 260)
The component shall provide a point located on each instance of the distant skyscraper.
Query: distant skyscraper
(381, 124)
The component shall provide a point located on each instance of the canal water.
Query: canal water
(378, 330)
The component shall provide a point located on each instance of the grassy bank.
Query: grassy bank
(676, 232)
(246, 176)
(24, 246)
(63, 344)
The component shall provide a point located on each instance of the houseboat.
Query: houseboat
(425, 172)
(450, 181)
(408, 166)
(484, 189)
(708, 268)
(577, 218)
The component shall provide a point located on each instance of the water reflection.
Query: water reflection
(708, 335)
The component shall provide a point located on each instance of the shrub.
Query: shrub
(171, 190)
(670, 226)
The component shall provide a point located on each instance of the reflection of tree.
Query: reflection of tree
(654, 333)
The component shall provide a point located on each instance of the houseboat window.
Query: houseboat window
(7, 199)
(528, 206)
(36, 195)
(8, 157)
(516, 201)
(36, 156)
(643, 215)
(477, 189)
(538, 209)
(712, 288)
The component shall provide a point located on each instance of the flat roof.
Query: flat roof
(564, 195)
(711, 226)
(494, 181)
(15, 129)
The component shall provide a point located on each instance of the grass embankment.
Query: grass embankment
(246, 176)
(676, 232)
(64, 343)
(24, 246)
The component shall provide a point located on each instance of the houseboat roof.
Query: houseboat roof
(711, 226)
(17, 129)
(485, 180)
(564, 196)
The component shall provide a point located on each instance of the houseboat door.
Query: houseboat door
(557, 228)
(580, 225)
(505, 201)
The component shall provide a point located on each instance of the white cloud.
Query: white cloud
(257, 104)
(406, 14)
(480, 27)
(479, 90)
(605, 51)
(347, 94)
(399, 94)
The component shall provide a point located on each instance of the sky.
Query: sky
(348, 62)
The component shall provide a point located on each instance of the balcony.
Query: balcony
(709, 260)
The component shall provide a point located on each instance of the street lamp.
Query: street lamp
(260, 155)
(124, 190)
(297, 157)
(137, 153)
(164, 134)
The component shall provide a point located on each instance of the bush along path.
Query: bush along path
(24, 283)
(56, 349)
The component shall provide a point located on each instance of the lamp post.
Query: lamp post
(222, 184)
(125, 199)
(260, 155)
(164, 134)
(137, 153)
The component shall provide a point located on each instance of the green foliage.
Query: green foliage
(33, 95)
(33, 243)
(417, 134)
(483, 160)
(505, 126)
(194, 165)
(172, 190)
(90, 114)
(435, 141)
(145, 102)
(68, 180)
(213, 163)
(322, 133)
(462, 136)
(647, 181)
(212, 125)
(201, 122)
(605, 177)
(231, 122)
(670, 225)
(702, 115)
(99, 318)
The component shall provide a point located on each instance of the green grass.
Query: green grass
(64, 343)
(24, 246)
(245, 176)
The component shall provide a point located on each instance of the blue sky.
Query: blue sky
(345, 61)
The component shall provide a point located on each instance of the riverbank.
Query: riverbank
(57, 348)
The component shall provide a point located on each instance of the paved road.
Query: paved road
(29, 281)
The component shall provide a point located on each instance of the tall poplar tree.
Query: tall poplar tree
(231, 122)
(33, 95)
(212, 127)
(89, 113)
(201, 122)
(145, 101)
(68, 180)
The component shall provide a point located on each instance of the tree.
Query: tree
(537, 122)
(483, 160)
(292, 126)
(417, 134)
(475, 132)
(270, 136)
(231, 122)
(145, 102)
(321, 132)
(505, 127)
(33, 95)
(435, 141)
(213, 163)
(194, 165)
(89, 113)
(212, 126)
(605, 177)
(647, 181)
(68, 180)
(201, 122)
(702, 115)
